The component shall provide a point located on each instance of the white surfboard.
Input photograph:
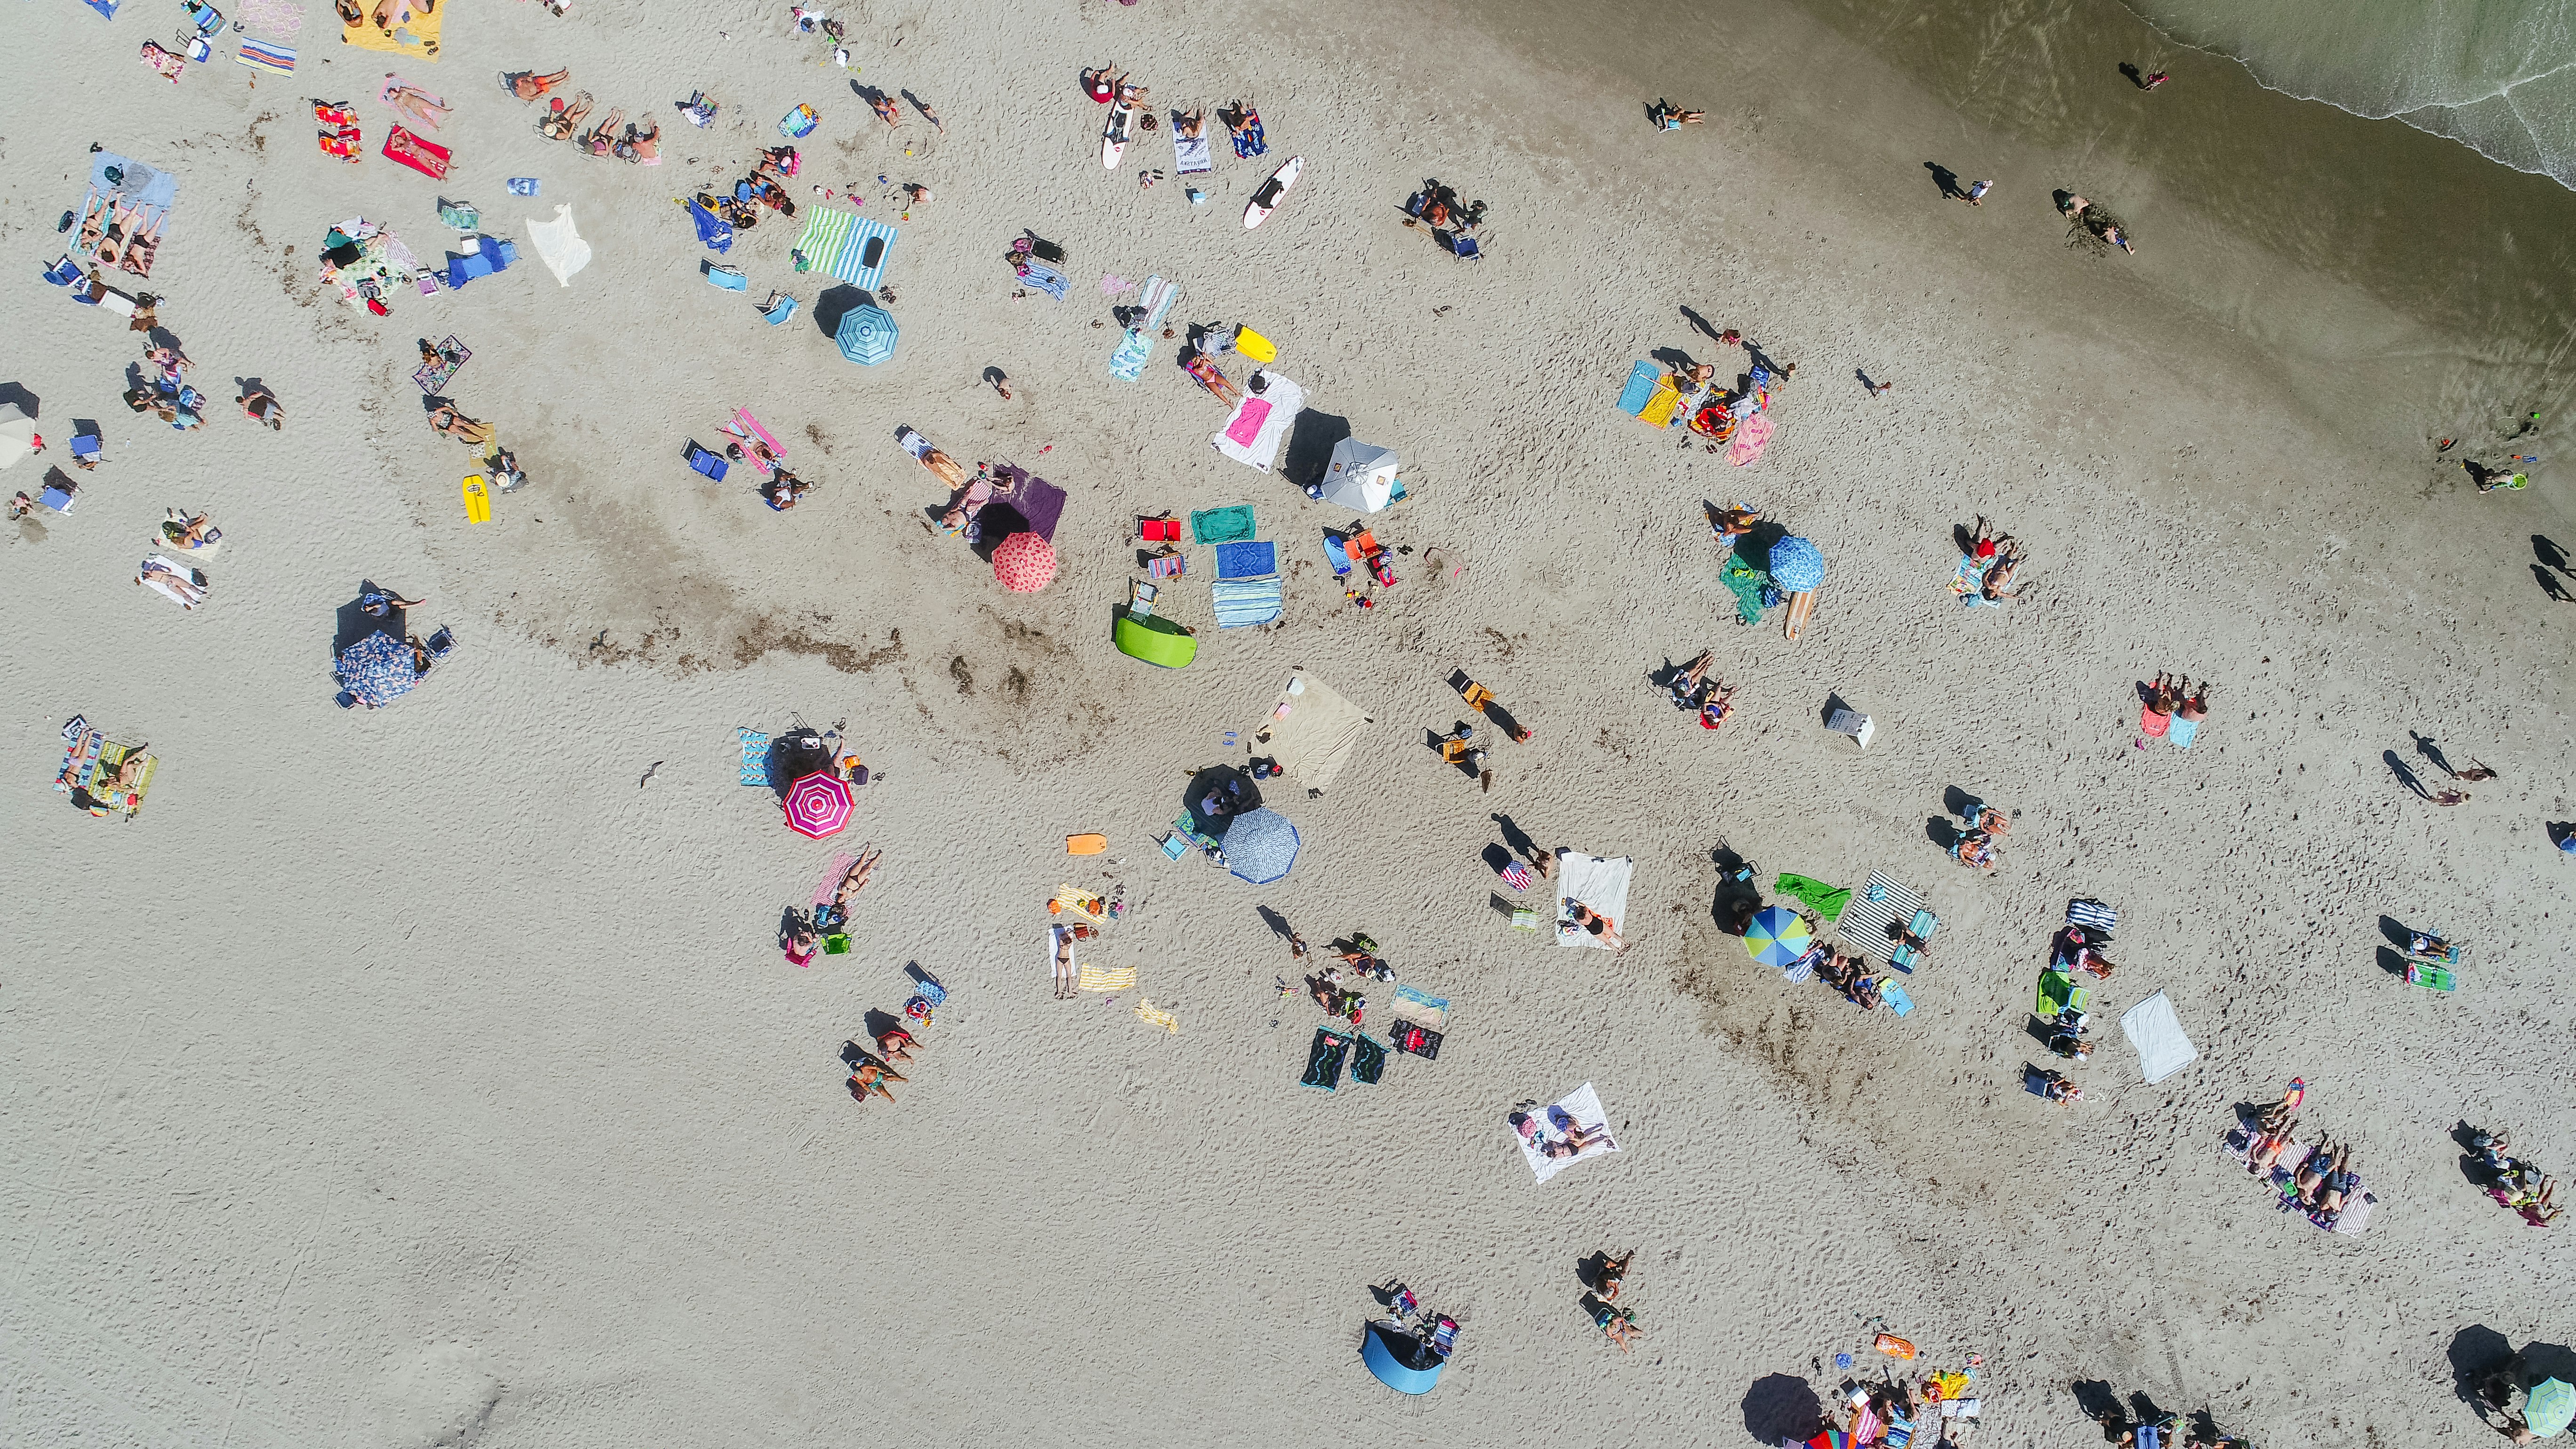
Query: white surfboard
(1113, 141)
(1272, 192)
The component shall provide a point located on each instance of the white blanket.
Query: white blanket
(1311, 731)
(559, 246)
(2156, 1032)
(1584, 1106)
(1286, 400)
(1600, 882)
(160, 583)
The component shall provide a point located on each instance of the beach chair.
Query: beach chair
(1444, 1336)
(1161, 529)
(724, 277)
(1465, 248)
(778, 308)
(2425, 974)
(711, 464)
(2058, 993)
(440, 644)
(1169, 564)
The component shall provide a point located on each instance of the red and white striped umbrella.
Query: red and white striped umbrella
(818, 806)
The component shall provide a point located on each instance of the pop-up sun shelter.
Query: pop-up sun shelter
(1154, 639)
(1391, 1354)
(1362, 476)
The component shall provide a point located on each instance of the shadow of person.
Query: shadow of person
(1700, 322)
(2405, 776)
(1958, 801)
(2543, 547)
(1782, 1408)
(2097, 1399)
(2550, 585)
(1946, 179)
(1941, 832)
(2424, 746)
(2476, 1353)
(1674, 358)
(1515, 837)
(2395, 932)
(2136, 76)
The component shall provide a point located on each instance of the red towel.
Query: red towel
(2153, 723)
(426, 157)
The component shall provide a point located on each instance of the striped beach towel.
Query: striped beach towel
(1240, 602)
(2092, 916)
(1154, 1015)
(262, 56)
(1884, 903)
(1108, 978)
(839, 243)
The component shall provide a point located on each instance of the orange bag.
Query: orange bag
(1894, 1347)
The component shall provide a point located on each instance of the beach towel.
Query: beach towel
(2183, 732)
(559, 246)
(1191, 155)
(755, 756)
(1324, 1058)
(1247, 560)
(156, 573)
(713, 230)
(1108, 978)
(1749, 440)
(2092, 916)
(1600, 882)
(1662, 405)
(2154, 1029)
(1895, 997)
(1074, 903)
(1582, 1107)
(1044, 278)
(748, 428)
(169, 63)
(1368, 1059)
(1311, 731)
(1271, 412)
(1826, 901)
(2153, 724)
(1250, 140)
(830, 886)
(1128, 362)
(1868, 922)
(433, 378)
(1241, 603)
(1152, 1015)
(849, 247)
(411, 31)
(1221, 525)
(2058, 994)
(261, 55)
(1642, 378)
(1747, 584)
(1039, 504)
(1968, 581)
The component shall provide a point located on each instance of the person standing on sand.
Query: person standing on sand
(1976, 195)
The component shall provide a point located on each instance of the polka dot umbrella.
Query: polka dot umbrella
(1024, 563)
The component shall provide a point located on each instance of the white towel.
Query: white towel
(1584, 1106)
(2156, 1032)
(159, 582)
(1600, 882)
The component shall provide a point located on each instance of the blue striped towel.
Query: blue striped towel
(1043, 277)
(261, 55)
(2092, 916)
(1240, 602)
(755, 756)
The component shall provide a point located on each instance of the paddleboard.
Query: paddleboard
(478, 500)
(1272, 192)
(1113, 141)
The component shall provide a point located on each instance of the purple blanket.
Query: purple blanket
(1035, 499)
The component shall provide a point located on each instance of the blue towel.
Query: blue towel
(714, 230)
(1128, 363)
(1243, 602)
(1246, 560)
(1337, 554)
(1895, 997)
(2182, 732)
(1045, 278)
(725, 277)
(755, 756)
(1640, 389)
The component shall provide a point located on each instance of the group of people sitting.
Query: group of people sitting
(1438, 207)
(1573, 1139)
(2082, 213)
(634, 144)
(2323, 1183)
(2515, 1183)
(165, 393)
(1336, 987)
(870, 1072)
(2074, 951)
(765, 186)
(1692, 690)
(1978, 846)
(804, 933)
(1992, 561)
(2174, 709)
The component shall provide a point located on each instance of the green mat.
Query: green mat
(1747, 583)
(1222, 525)
(1826, 901)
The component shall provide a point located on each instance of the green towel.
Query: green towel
(1826, 901)
(1745, 582)
(1222, 525)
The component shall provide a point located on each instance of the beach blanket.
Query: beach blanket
(1749, 440)
(434, 377)
(1826, 901)
(261, 55)
(1127, 363)
(559, 246)
(2092, 916)
(755, 756)
(1249, 559)
(407, 31)
(1746, 583)
(1191, 155)
(748, 428)
(849, 247)
(1968, 581)
(1311, 731)
(1221, 525)
(1663, 404)
(1582, 1107)
(1642, 377)
(1868, 923)
(1043, 277)
(1324, 1058)
(1598, 881)
(1075, 903)
(1251, 140)
(1152, 1015)
(170, 63)
(1039, 503)
(1108, 978)
(2183, 732)
(1368, 1059)
(1261, 422)
(156, 574)
(2154, 1029)
(712, 229)
(1241, 603)
(105, 8)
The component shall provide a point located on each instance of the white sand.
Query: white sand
(417, 1078)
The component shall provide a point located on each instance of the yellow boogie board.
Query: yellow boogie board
(478, 500)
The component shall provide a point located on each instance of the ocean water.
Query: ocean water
(2498, 75)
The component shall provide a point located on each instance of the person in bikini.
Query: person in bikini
(1614, 1275)
(896, 1045)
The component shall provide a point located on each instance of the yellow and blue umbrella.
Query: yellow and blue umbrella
(1777, 937)
(2548, 1407)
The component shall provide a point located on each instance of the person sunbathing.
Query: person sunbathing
(1687, 685)
(1670, 117)
(1614, 1275)
(1097, 84)
(261, 406)
(182, 531)
(142, 244)
(460, 427)
(2312, 1173)
(93, 226)
(2196, 707)
(645, 148)
(1976, 851)
(896, 1045)
(377, 603)
(1717, 707)
(189, 592)
(855, 879)
(872, 1077)
(2058, 1089)
(785, 489)
(562, 122)
(529, 86)
(1618, 1324)
(1733, 524)
(1599, 925)
(414, 105)
(1189, 125)
(2265, 1150)
(599, 138)
(2339, 1183)
(1205, 371)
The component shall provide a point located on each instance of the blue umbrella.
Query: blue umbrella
(1260, 845)
(1777, 937)
(866, 335)
(378, 669)
(1796, 566)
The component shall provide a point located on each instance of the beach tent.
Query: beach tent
(1362, 476)
(1260, 846)
(866, 335)
(1261, 421)
(1154, 639)
(1391, 1354)
(17, 434)
(1311, 731)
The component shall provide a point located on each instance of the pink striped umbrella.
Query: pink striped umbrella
(818, 806)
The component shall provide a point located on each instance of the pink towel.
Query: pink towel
(831, 885)
(1247, 421)
(1750, 438)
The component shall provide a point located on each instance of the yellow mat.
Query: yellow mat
(478, 503)
(1074, 902)
(397, 27)
(1108, 978)
(1155, 1016)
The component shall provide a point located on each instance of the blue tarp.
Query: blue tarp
(1388, 1363)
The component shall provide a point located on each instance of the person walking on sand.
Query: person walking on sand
(1976, 195)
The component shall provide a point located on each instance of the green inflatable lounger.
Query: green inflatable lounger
(1156, 640)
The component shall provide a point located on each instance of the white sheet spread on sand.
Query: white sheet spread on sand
(1286, 400)
(1311, 731)
(559, 246)
(1600, 882)
(1584, 1106)
(2156, 1032)
(159, 582)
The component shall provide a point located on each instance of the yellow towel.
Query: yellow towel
(1661, 404)
(1108, 978)
(1155, 1016)
(1068, 899)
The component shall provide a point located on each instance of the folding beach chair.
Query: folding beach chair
(711, 464)
(440, 644)
(779, 308)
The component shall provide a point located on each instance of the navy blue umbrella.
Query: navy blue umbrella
(378, 669)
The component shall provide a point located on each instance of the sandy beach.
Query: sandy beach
(431, 1075)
